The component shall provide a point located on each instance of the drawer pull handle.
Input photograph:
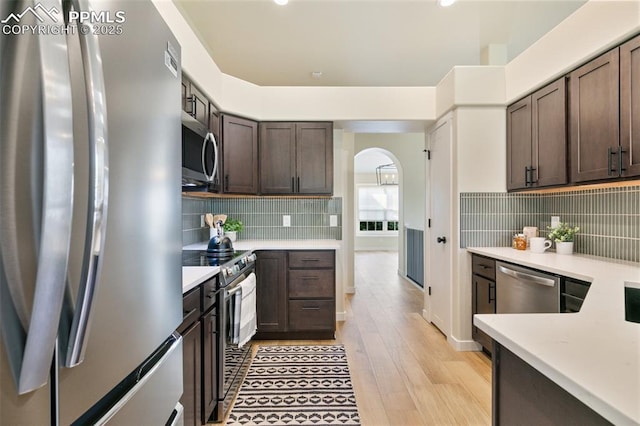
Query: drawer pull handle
(310, 260)
(310, 278)
(311, 308)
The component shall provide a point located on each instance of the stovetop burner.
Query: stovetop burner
(202, 258)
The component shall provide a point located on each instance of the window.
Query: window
(378, 209)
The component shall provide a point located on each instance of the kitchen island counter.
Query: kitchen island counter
(593, 354)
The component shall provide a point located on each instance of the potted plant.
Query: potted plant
(563, 235)
(232, 227)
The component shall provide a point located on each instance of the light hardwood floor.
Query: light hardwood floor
(403, 370)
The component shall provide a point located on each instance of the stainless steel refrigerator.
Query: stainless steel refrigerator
(90, 214)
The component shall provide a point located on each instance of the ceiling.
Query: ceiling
(364, 42)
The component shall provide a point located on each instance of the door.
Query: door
(593, 118)
(271, 291)
(439, 235)
(137, 304)
(240, 155)
(630, 107)
(519, 144)
(314, 158)
(549, 135)
(277, 158)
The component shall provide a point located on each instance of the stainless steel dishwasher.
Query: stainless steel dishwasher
(524, 290)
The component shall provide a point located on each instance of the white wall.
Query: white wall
(589, 31)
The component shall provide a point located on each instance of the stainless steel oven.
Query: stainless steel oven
(234, 360)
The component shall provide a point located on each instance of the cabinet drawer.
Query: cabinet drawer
(309, 283)
(209, 294)
(190, 309)
(484, 266)
(311, 315)
(312, 259)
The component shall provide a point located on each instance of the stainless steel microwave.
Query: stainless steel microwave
(200, 157)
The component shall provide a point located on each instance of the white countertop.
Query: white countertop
(275, 245)
(192, 276)
(593, 354)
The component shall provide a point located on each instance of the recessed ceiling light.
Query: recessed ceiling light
(281, 2)
(446, 3)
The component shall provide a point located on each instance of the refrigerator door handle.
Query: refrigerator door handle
(57, 209)
(209, 138)
(98, 194)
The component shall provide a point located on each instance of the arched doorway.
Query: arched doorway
(378, 215)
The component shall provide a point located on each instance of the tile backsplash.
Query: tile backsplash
(609, 218)
(262, 217)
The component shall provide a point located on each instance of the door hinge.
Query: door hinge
(429, 288)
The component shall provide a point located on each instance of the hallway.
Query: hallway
(404, 371)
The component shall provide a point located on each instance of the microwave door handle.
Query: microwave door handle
(57, 209)
(523, 276)
(208, 138)
(98, 194)
(215, 156)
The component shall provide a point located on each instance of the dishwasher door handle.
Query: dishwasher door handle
(522, 276)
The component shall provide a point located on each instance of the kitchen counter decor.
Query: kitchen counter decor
(563, 236)
(232, 227)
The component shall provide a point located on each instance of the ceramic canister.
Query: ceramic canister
(530, 231)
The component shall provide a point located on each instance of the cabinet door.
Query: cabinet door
(518, 143)
(271, 290)
(209, 364)
(314, 158)
(630, 106)
(240, 155)
(549, 135)
(485, 296)
(277, 158)
(191, 358)
(593, 118)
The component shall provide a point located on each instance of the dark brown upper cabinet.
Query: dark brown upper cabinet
(630, 107)
(194, 102)
(296, 158)
(593, 116)
(240, 155)
(537, 139)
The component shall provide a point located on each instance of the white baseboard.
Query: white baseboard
(341, 316)
(464, 345)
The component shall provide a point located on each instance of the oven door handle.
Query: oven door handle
(522, 276)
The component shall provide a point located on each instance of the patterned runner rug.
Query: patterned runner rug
(297, 385)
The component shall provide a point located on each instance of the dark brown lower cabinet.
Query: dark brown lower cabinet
(524, 396)
(296, 294)
(209, 365)
(192, 375)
